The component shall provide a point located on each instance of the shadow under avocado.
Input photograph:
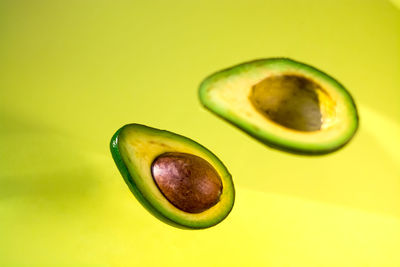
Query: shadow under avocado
(41, 165)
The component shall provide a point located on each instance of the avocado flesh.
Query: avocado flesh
(283, 103)
(136, 147)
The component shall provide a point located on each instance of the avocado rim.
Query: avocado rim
(269, 138)
(115, 151)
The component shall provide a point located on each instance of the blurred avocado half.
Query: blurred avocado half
(283, 103)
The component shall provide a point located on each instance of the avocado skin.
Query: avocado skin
(139, 196)
(252, 131)
(290, 149)
(131, 184)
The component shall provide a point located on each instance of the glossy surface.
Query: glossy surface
(189, 182)
(72, 72)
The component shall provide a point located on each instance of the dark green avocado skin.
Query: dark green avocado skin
(260, 137)
(131, 184)
(139, 196)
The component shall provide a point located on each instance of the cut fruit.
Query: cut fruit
(283, 103)
(179, 181)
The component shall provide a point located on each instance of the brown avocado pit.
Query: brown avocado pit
(289, 100)
(189, 182)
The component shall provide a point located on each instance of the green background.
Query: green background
(73, 72)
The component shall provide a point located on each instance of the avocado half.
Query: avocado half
(283, 103)
(163, 170)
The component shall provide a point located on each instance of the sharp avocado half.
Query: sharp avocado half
(178, 180)
(283, 103)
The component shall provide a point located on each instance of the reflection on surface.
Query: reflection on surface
(365, 175)
(396, 3)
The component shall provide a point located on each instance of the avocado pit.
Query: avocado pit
(189, 182)
(289, 100)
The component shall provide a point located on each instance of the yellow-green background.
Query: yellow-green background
(73, 72)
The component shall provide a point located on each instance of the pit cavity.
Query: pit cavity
(292, 101)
